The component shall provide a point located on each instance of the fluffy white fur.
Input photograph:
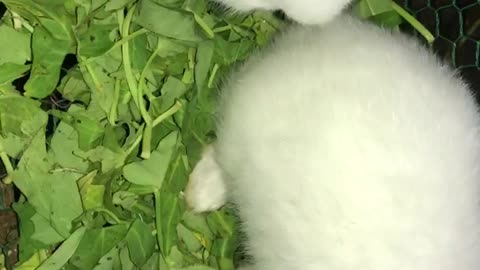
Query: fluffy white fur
(302, 11)
(349, 147)
(206, 189)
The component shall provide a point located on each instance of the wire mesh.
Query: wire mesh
(456, 27)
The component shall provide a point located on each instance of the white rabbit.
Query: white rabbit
(347, 147)
(302, 11)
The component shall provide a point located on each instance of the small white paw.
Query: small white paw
(206, 189)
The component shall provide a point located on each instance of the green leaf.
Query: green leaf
(74, 88)
(152, 172)
(45, 189)
(139, 52)
(197, 223)
(15, 46)
(51, 14)
(170, 210)
(90, 132)
(197, 267)
(27, 245)
(170, 92)
(64, 252)
(109, 159)
(369, 8)
(125, 261)
(93, 198)
(31, 263)
(152, 263)
(64, 150)
(104, 91)
(116, 4)
(188, 237)
(110, 261)
(228, 53)
(45, 233)
(175, 24)
(388, 19)
(140, 242)
(177, 174)
(20, 120)
(95, 41)
(48, 55)
(197, 127)
(175, 259)
(223, 223)
(204, 59)
(95, 244)
(11, 71)
(21, 116)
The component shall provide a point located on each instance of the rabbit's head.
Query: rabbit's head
(302, 11)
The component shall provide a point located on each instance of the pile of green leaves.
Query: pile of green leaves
(101, 150)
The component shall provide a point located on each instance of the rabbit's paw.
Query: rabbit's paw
(206, 189)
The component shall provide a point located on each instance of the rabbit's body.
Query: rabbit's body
(348, 147)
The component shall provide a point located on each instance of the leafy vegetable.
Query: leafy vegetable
(115, 109)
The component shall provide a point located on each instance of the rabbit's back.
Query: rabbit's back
(352, 148)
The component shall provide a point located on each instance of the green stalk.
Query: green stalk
(212, 76)
(96, 82)
(6, 162)
(118, 44)
(132, 85)
(109, 213)
(143, 75)
(414, 22)
(158, 223)
(204, 26)
(8, 167)
(135, 143)
(171, 111)
(113, 110)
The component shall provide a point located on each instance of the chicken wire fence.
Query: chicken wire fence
(455, 25)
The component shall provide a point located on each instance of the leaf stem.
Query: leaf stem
(110, 214)
(135, 143)
(95, 80)
(171, 111)
(213, 75)
(118, 44)
(158, 222)
(113, 110)
(204, 26)
(143, 75)
(104, 211)
(35, 7)
(6, 162)
(126, 56)
(132, 84)
(414, 22)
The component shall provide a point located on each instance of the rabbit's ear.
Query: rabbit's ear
(250, 5)
(314, 11)
(302, 11)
